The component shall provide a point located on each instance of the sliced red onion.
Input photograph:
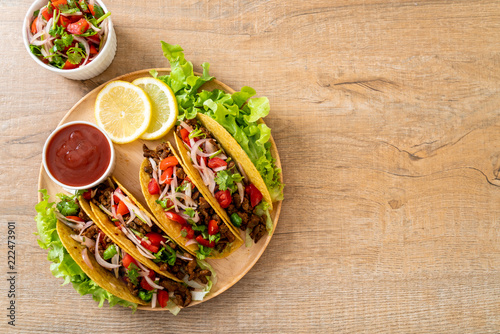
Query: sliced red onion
(183, 257)
(74, 14)
(190, 242)
(91, 2)
(189, 201)
(242, 171)
(87, 48)
(153, 300)
(189, 191)
(120, 218)
(64, 220)
(195, 151)
(146, 253)
(85, 257)
(143, 268)
(106, 211)
(39, 21)
(93, 192)
(241, 191)
(132, 217)
(116, 260)
(153, 284)
(192, 284)
(48, 26)
(185, 126)
(164, 192)
(155, 170)
(218, 169)
(86, 226)
(221, 156)
(99, 259)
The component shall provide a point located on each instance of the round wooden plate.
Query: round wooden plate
(128, 159)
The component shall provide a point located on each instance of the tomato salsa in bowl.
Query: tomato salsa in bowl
(78, 155)
(73, 38)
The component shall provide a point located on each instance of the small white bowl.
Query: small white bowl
(96, 67)
(69, 188)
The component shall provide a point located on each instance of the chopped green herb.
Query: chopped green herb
(109, 252)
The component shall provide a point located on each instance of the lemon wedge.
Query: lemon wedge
(123, 110)
(164, 107)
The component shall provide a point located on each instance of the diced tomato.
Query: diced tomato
(254, 193)
(153, 187)
(122, 209)
(205, 159)
(79, 27)
(169, 162)
(176, 218)
(224, 198)
(162, 298)
(166, 176)
(94, 39)
(185, 136)
(93, 50)
(213, 227)
(69, 66)
(87, 195)
(64, 21)
(91, 8)
(145, 285)
(155, 238)
(33, 26)
(216, 163)
(149, 246)
(127, 260)
(188, 180)
(57, 3)
(115, 198)
(75, 218)
(83, 3)
(46, 15)
(189, 231)
(205, 242)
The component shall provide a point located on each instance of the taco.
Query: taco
(123, 276)
(230, 181)
(132, 228)
(173, 196)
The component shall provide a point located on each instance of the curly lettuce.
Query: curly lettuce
(238, 113)
(62, 263)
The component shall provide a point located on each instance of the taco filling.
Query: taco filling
(184, 204)
(140, 281)
(225, 180)
(152, 243)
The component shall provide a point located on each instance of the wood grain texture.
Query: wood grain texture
(386, 117)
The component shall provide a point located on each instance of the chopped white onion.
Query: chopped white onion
(185, 126)
(85, 257)
(192, 284)
(183, 257)
(116, 260)
(241, 191)
(99, 259)
(198, 295)
(153, 300)
(153, 284)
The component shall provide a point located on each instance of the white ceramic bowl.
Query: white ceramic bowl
(96, 67)
(109, 170)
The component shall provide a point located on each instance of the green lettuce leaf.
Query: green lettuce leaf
(62, 263)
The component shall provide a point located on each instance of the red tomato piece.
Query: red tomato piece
(166, 176)
(213, 227)
(127, 260)
(93, 50)
(216, 163)
(69, 66)
(254, 193)
(122, 209)
(189, 232)
(176, 218)
(205, 242)
(78, 27)
(33, 26)
(155, 238)
(168, 162)
(115, 198)
(224, 198)
(185, 136)
(64, 21)
(153, 187)
(94, 39)
(145, 285)
(57, 3)
(46, 15)
(162, 298)
(87, 195)
(149, 246)
(75, 218)
(91, 8)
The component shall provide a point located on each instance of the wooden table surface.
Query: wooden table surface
(386, 116)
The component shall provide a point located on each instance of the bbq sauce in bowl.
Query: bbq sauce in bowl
(78, 155)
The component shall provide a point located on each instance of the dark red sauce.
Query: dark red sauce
(78, 155)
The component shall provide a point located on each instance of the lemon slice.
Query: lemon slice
(123, 110)
(164, 107)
